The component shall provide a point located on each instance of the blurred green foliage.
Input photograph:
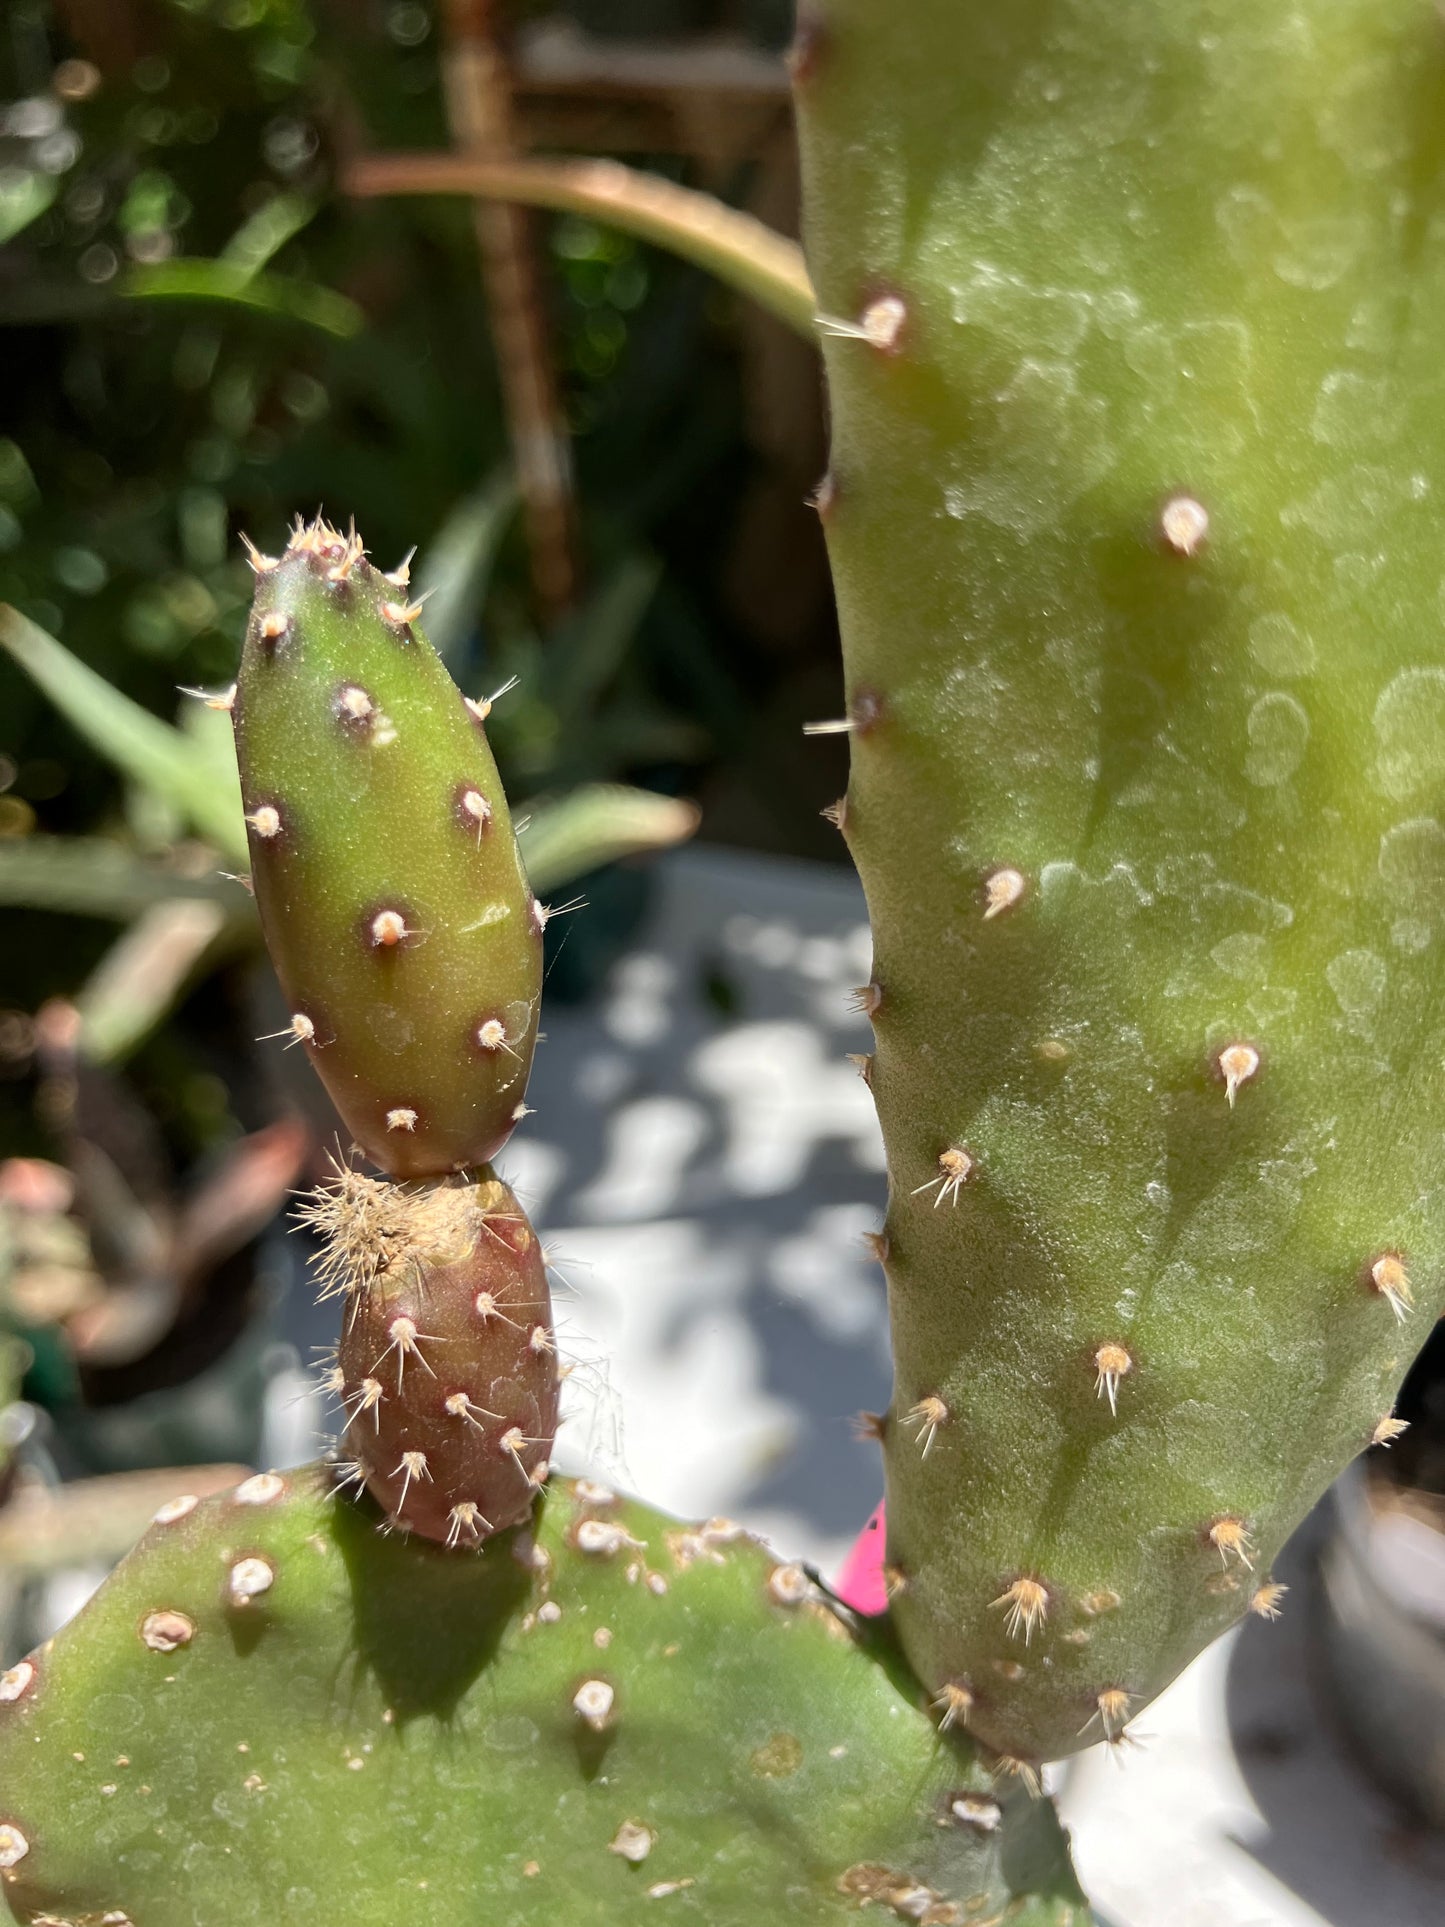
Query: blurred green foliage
(201, 337)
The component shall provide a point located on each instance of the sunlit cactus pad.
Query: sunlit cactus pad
(272, 1712)
(1135, 516)
(387, 876)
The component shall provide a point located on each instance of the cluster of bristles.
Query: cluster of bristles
(446, 1372)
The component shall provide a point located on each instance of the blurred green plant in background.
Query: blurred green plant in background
(202, 336)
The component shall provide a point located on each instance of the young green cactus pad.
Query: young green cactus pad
(273, 1713)
(1135, 518)
(385, 869)
(447, 1369)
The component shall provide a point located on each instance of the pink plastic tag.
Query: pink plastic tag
(860, 1583)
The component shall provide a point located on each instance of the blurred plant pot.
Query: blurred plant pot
(1383, 1630)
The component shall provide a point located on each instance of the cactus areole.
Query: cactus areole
(1135, 514)
(386, 873)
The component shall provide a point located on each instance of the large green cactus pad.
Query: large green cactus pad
(617, 1716)
(1135, 512)
(387, 876)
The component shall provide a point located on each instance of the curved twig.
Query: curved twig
(735, 247)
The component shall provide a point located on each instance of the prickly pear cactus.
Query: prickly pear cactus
(386, 873)
(398, 917)
(271, 1713)
(447, 1367)
(1135, 511)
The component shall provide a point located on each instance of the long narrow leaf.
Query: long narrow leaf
(89, 876)
(597, 824)
(142, 747)
(145, 970)
(264, 233)
(278, 295)
(589, 647)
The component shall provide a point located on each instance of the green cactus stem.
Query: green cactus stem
(447, 1368)
(391, 893)
(272, 1713)
(1134, 510)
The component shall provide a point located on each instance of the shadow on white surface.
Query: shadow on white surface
(704, 1180)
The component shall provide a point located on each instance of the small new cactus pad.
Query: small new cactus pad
(387, 876)
(447, 1368)
(1135, 511)
(272, 1713)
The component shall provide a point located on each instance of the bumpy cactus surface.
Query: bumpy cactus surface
(447, 1368)
(273, 1713)
(387, 877)
(397, 913)
(1134, 512)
